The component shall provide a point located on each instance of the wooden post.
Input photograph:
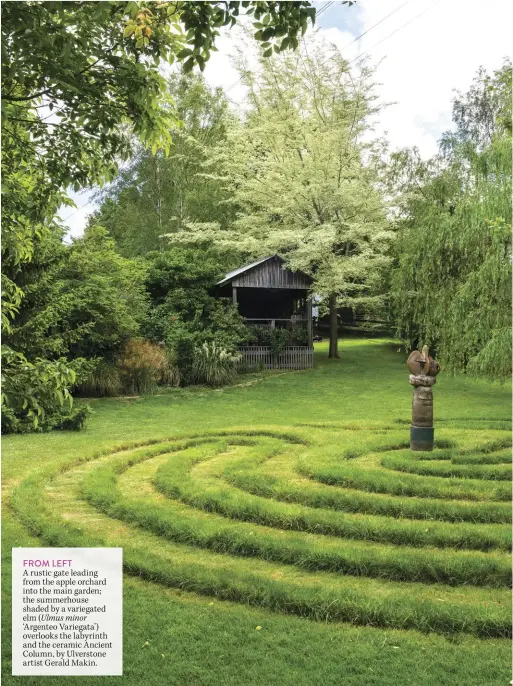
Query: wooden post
(234, 295)
(333, 351)
(309, 323)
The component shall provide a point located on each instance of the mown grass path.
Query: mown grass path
(292, 504)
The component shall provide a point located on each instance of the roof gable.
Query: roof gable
(240, 270)
(267, 272)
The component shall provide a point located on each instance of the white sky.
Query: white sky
(424, 50)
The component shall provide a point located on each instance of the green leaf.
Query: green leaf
(188, 65)
(131, 8)
(129, 30)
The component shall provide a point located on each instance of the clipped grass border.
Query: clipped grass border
(396, 609)
(174, 481)
(480, 612)
(348, 557)
(411, 485)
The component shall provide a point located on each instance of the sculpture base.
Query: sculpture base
(422, 437)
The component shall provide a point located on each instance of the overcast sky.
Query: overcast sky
(423, 51)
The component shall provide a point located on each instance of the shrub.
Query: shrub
(104, 381)
(300, 336)
(181, 338)
(183, 312)
(143, 365)
(184, 337)
(64, 419)
(170, 373)
(74, 420)
(36, 395)
(214, 365)
(278, 339)
(80, 304)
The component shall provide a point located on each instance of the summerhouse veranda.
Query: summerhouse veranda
(267, 294)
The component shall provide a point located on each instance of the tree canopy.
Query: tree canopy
(301, 178)
(156, 194)
(451, 287)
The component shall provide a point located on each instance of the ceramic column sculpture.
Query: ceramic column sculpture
(423, 371)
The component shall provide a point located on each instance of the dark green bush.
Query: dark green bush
(184, 314)
(36, 395)
(75, 420)
(277, 339)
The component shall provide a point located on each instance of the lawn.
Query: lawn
(280, 531)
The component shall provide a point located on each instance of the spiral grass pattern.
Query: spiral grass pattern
(333, 522)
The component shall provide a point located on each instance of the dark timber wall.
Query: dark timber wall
(271, 274)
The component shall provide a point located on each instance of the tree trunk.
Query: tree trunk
(159, 204)
(333, 327)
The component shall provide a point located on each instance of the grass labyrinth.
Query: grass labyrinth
(334, 522)
(326, 524)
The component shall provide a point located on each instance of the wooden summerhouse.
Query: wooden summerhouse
(270, 295)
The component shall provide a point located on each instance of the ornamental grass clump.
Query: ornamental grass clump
(104, 381)
(144, 365)
(213, 365)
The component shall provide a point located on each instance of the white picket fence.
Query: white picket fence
(292, 357)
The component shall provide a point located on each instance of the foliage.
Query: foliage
(109, 301)
(451, 287)
(300, 335)
(36, 395)
(100, 64)
(169, 373)
(143, 365)
(278, 338)
(104, 381)
(296, 172)
(81, 303)
(81, 300)
(183, 313)
(79, 79)
(216, 322)
(157, 193)
(140, 368)
(95, 68)
(73, 421)
(278, 25)
(213, 365)
(70, 86)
